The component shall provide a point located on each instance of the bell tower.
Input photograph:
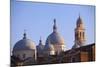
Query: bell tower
(79, 33)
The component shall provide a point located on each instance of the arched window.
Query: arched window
(77, 36)
(83, 34)
(80, 35)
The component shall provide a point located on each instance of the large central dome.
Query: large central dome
(55, 37)
(24, 44)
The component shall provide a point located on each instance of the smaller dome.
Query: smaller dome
(48, 47)
(40, 47)
(24, 44)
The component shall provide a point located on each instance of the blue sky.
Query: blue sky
(37, 19)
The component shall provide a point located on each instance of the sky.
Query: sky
(37, 19)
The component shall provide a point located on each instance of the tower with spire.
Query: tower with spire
(79, 33)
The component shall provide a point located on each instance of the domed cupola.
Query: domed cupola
(25, 49)
(55, 38)
(40, 48)
(24, 44)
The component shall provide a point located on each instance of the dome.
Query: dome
(55, 37)
(40, 47)
(24, 44)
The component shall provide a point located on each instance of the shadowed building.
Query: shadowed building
(81, 54)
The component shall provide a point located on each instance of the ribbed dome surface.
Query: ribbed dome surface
(55, 38)
(24, 44)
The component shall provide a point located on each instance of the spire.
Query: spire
(79, 33)
(54, 27)
(24, 34)
(79, 21)
(40, 41)
(79, 15)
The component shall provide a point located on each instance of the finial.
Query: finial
(24, 34)
(40, 40)
(54, 21)
(79, 16)
(54, 27)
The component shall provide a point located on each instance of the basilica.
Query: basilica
(25, 51)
